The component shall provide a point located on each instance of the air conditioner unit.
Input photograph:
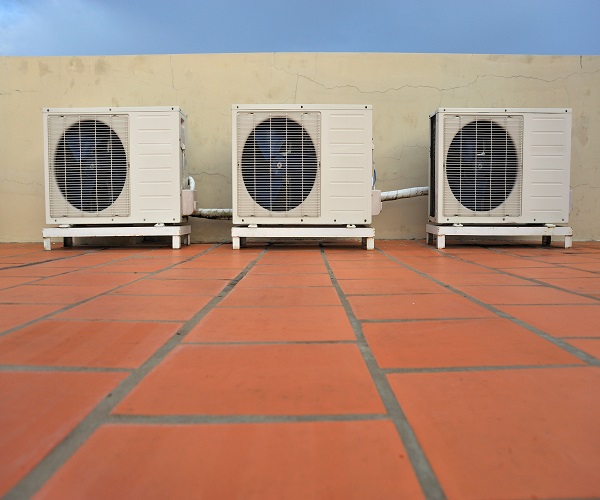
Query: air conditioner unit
(500, 166)
(116, 166)
(302, 165)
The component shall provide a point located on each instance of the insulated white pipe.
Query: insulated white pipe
(227, 213)
(214, 213)
(404, 193)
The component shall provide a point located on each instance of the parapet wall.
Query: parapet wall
(403, 89)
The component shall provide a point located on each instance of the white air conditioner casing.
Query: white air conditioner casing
(302, 164)
(500, 166)
(109, 166)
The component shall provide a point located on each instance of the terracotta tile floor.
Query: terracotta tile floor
(300, 372)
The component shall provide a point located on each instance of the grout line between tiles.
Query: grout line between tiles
(64, 450)
(238, 419)
(47, 368)
(423, 320)
(271, 342)
(107, 292)
(428, 481)
(490, 368)
(582, 355)
(537, 282)
(58, 259)
(534, 281)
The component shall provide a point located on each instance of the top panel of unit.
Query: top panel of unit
(297, 107)
(499, 111)
(116, 110)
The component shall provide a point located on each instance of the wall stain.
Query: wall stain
(43, 69)
(76, 64)
(101, 66)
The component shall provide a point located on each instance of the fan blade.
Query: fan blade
(481, 165)
(90, 166)
(270, 178)
(81, 146)
(269, 143)
(283, 172)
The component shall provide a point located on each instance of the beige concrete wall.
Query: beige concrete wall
(403, 89)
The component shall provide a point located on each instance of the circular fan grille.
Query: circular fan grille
(90, 165)
(279, 164)
(482, 165)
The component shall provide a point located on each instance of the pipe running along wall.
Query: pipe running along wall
(227, 213)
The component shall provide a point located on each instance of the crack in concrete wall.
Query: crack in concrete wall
(403, 89)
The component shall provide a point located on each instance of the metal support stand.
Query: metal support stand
(546, 232)
(179, 234)
(240, 233)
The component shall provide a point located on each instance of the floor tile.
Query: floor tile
(508, 434)
(289, 269)
(587, 266)
(489, 426)
(298, 379)
(7, 249)
(590, 346)
(221, 263)
(31, 258)
(11, 281)
(85, 343)
(544, 273)
(83, 261)
(92, 277)
(418, 306)
(185, 251)
(382, 273)
(368, 264)
(350, 460)
(281, 297)
(430, 266)
(410, 284)
(560, 321)
(225, 253)
(136, 308)
(493, 294)
(460, 343)
(507, 262)
(566, 257)
(31, 271)
(455, 279)
(588, 286)
(37, 411)
(284, 280)
(198, 274)
(12, 315)
(149, 286)
(304, 258)
(51, 294)
(282, 324)
(354, 256)
(136, 265)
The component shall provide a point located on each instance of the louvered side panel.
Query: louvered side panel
(348, 156)
(156, 178)
(548, 156)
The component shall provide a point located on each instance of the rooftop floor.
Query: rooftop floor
(303, 372)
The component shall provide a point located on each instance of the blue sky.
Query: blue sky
(113, 27)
